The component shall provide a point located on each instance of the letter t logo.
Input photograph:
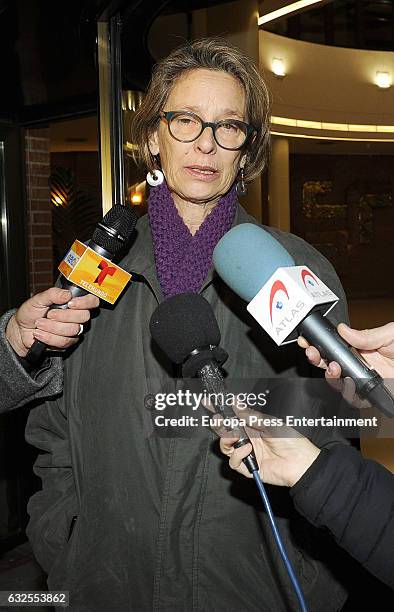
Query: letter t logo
(105, 269)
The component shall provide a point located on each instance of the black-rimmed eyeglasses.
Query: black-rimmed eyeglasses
(229, 134)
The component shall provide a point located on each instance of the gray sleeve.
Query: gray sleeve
(17, 386)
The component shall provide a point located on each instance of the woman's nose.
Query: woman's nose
(206, 142)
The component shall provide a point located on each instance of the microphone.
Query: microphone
(185, 328)
(260, 270)
(110, 237)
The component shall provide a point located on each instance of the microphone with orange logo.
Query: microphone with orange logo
(89, 268)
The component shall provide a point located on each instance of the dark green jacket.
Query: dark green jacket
(163, 523)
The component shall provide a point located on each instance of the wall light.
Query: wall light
(58, 198)
(278, 67)
(136, 198)
(383, 79)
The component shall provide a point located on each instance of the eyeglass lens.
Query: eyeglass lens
(188, 127)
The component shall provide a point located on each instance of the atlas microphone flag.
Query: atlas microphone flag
(286, 299)
(289, 301)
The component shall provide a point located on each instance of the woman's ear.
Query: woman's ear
(153, 143)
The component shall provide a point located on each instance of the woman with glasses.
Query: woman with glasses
(130, 518)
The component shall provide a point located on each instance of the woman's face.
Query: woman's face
(201, 171)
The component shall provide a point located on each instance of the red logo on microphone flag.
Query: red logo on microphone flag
(106, 270)
(309, 279)
(80, 267)
(277, 286)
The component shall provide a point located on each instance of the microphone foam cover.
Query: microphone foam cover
(246, 256)
(183, 323)
(122, 221)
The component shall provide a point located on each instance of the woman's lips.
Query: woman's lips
(204, 173)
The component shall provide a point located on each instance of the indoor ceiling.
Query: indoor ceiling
(359, 24)
(49, 61)
(48, 56)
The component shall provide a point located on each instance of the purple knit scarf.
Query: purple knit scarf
(183, 260)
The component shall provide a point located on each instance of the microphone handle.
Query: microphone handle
(322, 334)
(213, 382)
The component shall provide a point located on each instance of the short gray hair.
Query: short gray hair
(214, 54)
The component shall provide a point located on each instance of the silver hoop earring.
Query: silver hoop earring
(155, 178)
(241, 187)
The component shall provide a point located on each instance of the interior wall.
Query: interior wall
(344, 205)
(39, 218)
(327, 83)
(77, 173)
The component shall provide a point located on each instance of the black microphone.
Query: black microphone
(111, 236)
(185, 328)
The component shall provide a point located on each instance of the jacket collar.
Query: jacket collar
(140, 261)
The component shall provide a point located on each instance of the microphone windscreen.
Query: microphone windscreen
(247, 256)
(120, 222)
(183, 323)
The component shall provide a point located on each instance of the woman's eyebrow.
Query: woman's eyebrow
(197, 110)
(230, 111)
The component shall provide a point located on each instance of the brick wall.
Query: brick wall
(39, 216)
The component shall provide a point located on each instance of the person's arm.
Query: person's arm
(20, 384)
(353, 498)
(19, 381)
(335, 488)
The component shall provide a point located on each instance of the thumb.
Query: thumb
(227, 445)
(368, 339)
(54, 295)
(239, 455)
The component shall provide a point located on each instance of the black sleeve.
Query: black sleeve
(354, 499)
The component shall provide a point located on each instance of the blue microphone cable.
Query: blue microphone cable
(213, 382)
(251, 463)
(279, 542)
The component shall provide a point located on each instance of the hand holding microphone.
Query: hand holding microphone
(109, 240)
(282, 460)
(285, 298)
(375, 345)
(56, 328)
